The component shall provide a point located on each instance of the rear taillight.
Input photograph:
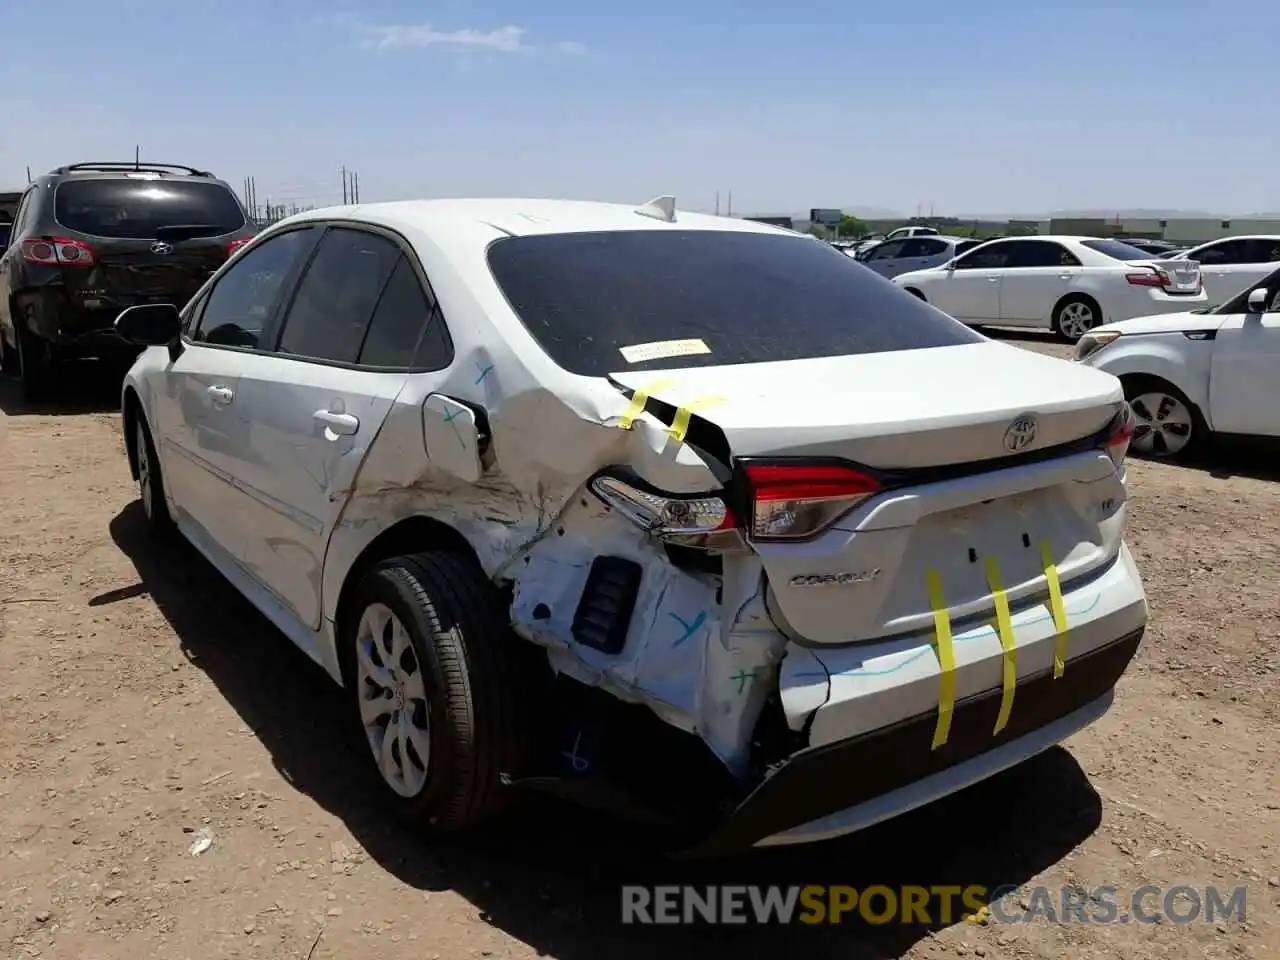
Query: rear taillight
(701, 520)
(58, 252)
(792, 501)
(1153, 278)
(235, 245)
(1120, 434)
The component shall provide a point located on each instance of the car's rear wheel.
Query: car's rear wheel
(1075, 316)
(427, 658)
(151, 483)
(1167, 425)
(38, 365)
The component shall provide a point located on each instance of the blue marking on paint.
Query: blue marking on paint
(449, 418)
(580, 764)
(690, 627)
(484, 372)
(974, 634)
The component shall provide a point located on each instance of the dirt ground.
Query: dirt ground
(147, 709)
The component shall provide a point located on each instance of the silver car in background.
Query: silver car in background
(903, 255)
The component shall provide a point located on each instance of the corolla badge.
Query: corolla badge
(161, 248)
(1021, 433)
(833, 579)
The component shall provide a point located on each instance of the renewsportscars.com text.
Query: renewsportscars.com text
(909, 905)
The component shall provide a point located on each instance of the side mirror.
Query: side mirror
(951, 266)
(1258, 300)
(150, 324)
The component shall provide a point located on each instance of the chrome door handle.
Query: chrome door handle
(343, 424)
(221, 394)
(1064, 276)
(993, 279)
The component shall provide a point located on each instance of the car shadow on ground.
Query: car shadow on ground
(87, 387)
(551, 875)
(1225, 457)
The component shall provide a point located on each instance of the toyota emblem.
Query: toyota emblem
(1020, 434)
(161, 248)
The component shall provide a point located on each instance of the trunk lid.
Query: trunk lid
(964, 479)
(1184, 275)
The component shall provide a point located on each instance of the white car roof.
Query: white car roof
(524, 217)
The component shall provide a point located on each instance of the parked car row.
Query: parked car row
(91, 239)
(597, 499)
(1068, 285)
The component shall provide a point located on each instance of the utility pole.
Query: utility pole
(344, 185)
(137, 156)
(729, 212)
(717, 203)
(355, 186)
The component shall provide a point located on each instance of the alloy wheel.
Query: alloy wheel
(392, 699)
(1164, 425)
(1075, 319)
(145, 486)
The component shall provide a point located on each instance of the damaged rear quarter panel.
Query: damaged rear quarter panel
(701, 651)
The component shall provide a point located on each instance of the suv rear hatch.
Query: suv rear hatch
(143, 238)
(859, 477)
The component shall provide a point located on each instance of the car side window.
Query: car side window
(1262, 250)
(1218, 254)
(237, 309)
(887, 251)
(336, 297)
(989, 256)
(965, 247)
(407, 329)
(1040, 253)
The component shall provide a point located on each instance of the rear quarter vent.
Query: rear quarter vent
(608, 600)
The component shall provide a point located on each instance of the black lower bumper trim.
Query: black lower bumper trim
(820, 781)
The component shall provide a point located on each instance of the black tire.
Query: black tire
(151, 482)
(38, 362)
(475, 697)
(1142, 387)
(1071, 302)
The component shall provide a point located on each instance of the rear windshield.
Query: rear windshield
(137, 209)
(599, 303)
(1116, 250)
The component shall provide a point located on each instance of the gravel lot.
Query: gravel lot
(146, 708)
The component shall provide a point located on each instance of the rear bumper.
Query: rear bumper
(837, 788)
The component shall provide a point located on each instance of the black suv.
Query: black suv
(91, 239)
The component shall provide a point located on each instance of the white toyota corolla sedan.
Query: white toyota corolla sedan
(1190, 375)
(688, 517)
(1068, 285)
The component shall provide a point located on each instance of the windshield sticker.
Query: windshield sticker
(662, 350)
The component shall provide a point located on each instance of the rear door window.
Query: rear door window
(1116, 249)
(1222, 254)
(135, 209)
(888, 251)
(923, 247)
(591, 300)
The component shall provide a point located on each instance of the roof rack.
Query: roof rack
(111, 165)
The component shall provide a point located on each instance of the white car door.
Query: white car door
(1244, 382)
(1038, 274)
(201, 428)
(883, 258)
(358, 325)
(971, 290)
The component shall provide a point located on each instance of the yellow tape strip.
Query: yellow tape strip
(946, 659)
(638, 399)
(1056, 607)
(680, 425)
(1005, 625)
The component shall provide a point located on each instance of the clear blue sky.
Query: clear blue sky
(973, 106)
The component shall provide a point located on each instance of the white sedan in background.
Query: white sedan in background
(1065, 284)
(1187, 375)
(1229, 265)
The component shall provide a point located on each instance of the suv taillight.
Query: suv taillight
(796, 500)
(58, 252)
(235, 245)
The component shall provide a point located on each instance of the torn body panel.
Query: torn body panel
(699, 649)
